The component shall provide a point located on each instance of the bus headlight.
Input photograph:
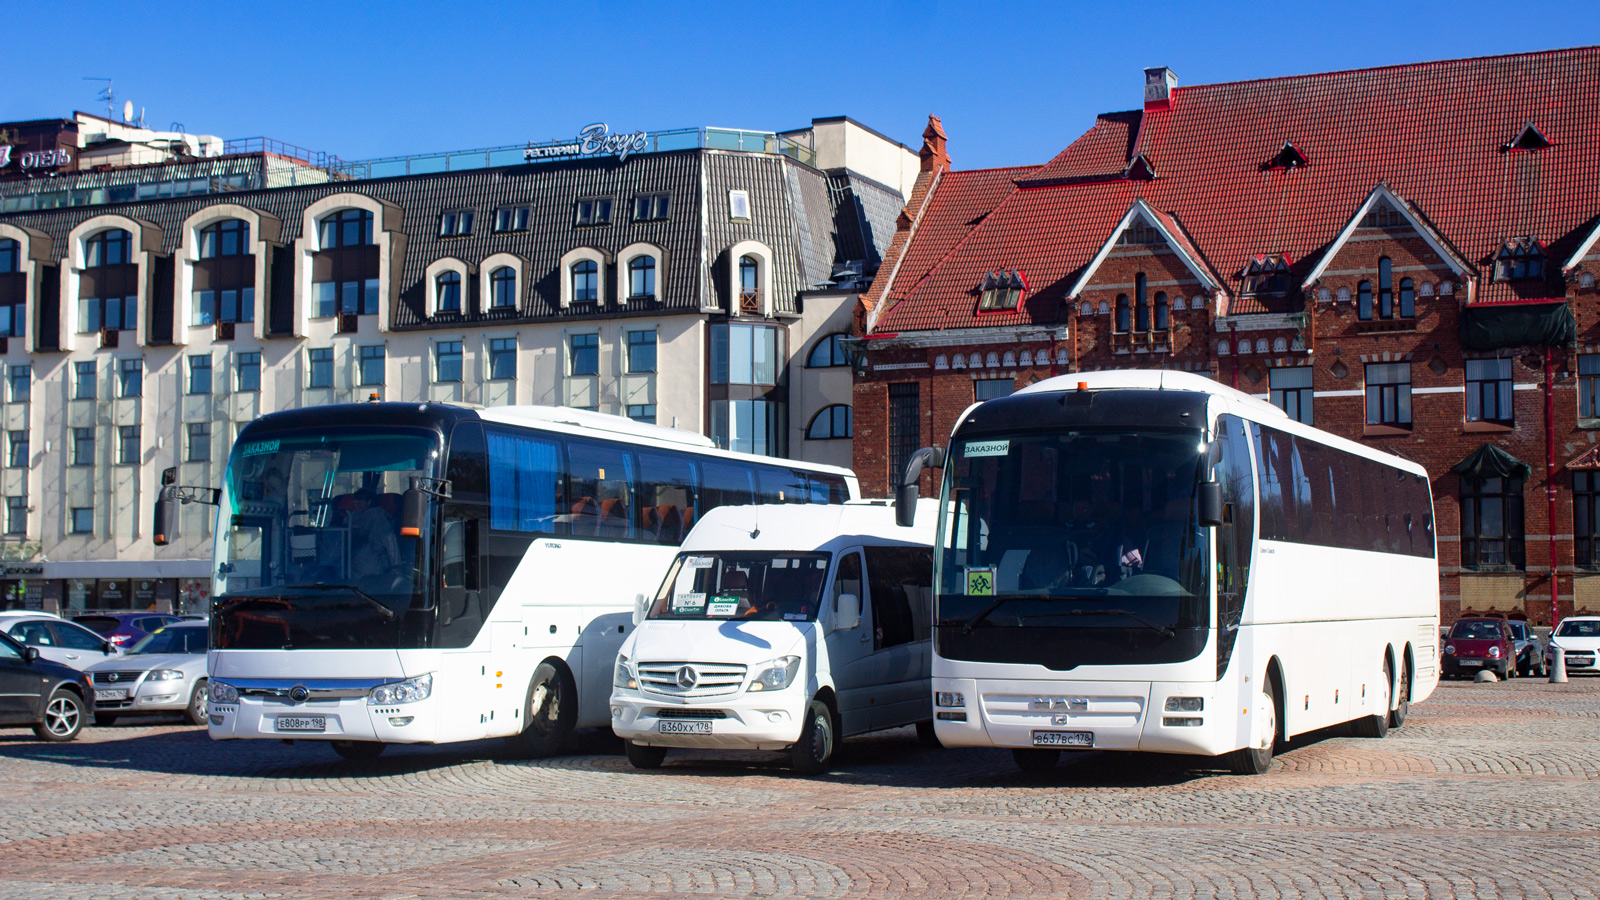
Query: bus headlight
(776, 674)
(166, 675)
(1185, 704)
(223, 692)
(623, 676)
(409, 691)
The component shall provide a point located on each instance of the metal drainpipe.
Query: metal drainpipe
(1550, 486)
(1233, 332)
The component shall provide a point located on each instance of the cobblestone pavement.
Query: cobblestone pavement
(1489, 791)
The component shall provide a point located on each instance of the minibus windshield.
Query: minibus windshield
(752, 586)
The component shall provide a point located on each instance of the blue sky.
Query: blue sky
(1013, 82)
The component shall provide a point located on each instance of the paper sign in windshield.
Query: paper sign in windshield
(689, 601)
(723, 606)
(987, 448)
(980, 581)
(700, 562)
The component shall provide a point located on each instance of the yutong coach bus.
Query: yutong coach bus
(405, 573)
(1149, 561)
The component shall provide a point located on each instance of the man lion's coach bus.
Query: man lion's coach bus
(427, 573)
(1150, 561)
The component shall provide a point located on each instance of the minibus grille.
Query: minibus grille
(687, 679)
(672, 712)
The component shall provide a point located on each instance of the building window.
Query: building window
(1491, 522)
(1291, 392)
(650, 207)
(503, 288)
(447, 361)
(128, 445)
(502, 358)
(1385, 288)
(745, 354)
(352, 288)
(1124, 320)
(1382, 215)
(1163, 312)
(641, 351)
(1489, 391)
(1141, 304)
(16, 515)
(993, 388)
(21, 379)
(642, 412)
(345, 228)
(1519, 259)
(642, 277)
(83, 380)
(512, 218)
(230, 305)
(199, 442)
(455, 223)
(1364, 301)
(200, 374)
(829, 352)
(356, 297)
(1001, 290)
(749, 426)
(585, 281)
(10, 256)
(1408, 298)
(1389, 394)
(1585, 493)
(749, 284)
(1266, 277)
(83, 446)
(130, 377)
(248, 367)
(108, 248)
(321, 361)
(830, 423)
(905, 426)
(230, 237)
(585, 354)
(738, 204)
(447, 292)
(372, 365)
(83, 520)
(17, 456)
(594, 212)
(108, 314)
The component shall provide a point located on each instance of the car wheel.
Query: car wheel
(359, 749)
(642, 757)
(548, 713)
(1258, 759)
(196, 713)
(63, 717)
(928, 736)
(1509, 671)
(1034, 759)
(101, 720)
(812, 753)
(1377, 726)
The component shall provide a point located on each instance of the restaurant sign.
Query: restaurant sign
(593, 140)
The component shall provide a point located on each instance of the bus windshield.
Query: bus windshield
(1085, 530)
(751, 586)
(310, 553)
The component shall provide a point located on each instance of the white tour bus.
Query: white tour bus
(426, 573)
(782, 629)
(1145, 560)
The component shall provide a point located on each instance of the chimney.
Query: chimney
(1158, 85)
(934, 157)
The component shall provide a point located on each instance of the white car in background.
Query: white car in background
(165, 672)
(1579, 636)
(58, 640)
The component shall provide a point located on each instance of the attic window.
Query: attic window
(1001, 290)
(1530, 138)
(1382, 215)
(1140, 232)
(1266, 275)
(1289, 157)
(1519, 259)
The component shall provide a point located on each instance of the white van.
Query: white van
(782, 628)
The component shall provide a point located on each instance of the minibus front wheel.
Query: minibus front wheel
(814, 751)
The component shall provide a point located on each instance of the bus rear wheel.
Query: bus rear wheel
(548, 713)
(1258, 759)
(1377, 726)
(1402, 705)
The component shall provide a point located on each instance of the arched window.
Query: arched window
(1141, 304)
(503, 288)
(9, 256)
(1026, 359)
(1124, 320)
(1344, 295)
(230, 237)
(1364, 300)
(1061, 356)
(1279, 345)
(447, 292)
(993, 361)
(1408, 299)
(829, 352)
(975, 361)
(960, 362)
(352, 285)
(1244, 348)
(1197, 302)
(1104, 308)
(1323, 296)
(1178, 303)
(1086, 309)
(1426, 290)
(941, 362)
(585, 281)
(345, 228)
(642, 277)
(749, 275)
(110, 301)
(13, 310)
(1223, 348)
(108, 248)
(1009, 361)
(1261, 346)
(1163, 316)
(831, 422)
(1385, 288)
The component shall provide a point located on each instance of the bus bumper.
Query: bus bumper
(349, 719)
(734, 724)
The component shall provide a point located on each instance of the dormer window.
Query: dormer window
(1287, 157)
(455, 223)
(1519, 259)
(1529, 138)
(1266, 275)
(1001, 290)
(594, 212)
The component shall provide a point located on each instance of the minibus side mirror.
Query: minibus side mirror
(848, 615)
(1211, 503)
(905, 495)
(641, 608)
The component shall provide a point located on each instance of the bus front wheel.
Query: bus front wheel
(548, 713)
(1257, 760)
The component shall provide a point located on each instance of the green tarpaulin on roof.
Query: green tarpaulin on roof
(1490, 461)
(1522, 325)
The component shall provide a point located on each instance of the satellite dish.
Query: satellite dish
(127, 110)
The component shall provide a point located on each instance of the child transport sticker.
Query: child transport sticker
(723, 606)
(986, 448)
(980, 581)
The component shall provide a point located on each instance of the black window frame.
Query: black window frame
(443, 353)
(503, 288)
(130, 378)
(81, 520)
(1400, 390)
(508, 219)
(19, 375)
(643, 267)
(593, 212)
(343, 220)
(197, 436)
(214, 239)
(319, 368)
(85, 388)
(247, 362)
(199, 362)
(837, 421)
(18, 451)
(1499, 392)
(454, 223)
(83, 440)
(905, 425)
(589, 270)
(588, 353)
(17, 515)
(1474, 493)
(128, 445)
(500, 350)
(447, 284)
(366, 358)
(1302, 398)
(1585, 524)
(637, 341)
(833, 345)
(651, 207)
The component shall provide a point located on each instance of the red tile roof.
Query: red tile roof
(1434, 132)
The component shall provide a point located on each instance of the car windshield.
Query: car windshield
(1579, 629)
(172, 640)
(749, 586)
(1475, 631)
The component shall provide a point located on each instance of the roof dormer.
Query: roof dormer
(1288, 157)
(1001, 290)
(1266, 276)
(1520, 259)
(1530, 138)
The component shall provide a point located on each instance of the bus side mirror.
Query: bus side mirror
(166, 516)
(848, 615)
(1211, 512)
(412, 510)
(905, 496)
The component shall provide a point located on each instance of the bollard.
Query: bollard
(1558, 665)
(1485, 676)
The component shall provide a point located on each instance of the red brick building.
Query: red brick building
(1404, 256)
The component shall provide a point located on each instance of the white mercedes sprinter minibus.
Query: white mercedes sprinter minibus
(782, 628)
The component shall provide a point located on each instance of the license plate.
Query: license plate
(1470, 662)
(302, 723)
(116, 694)
(684, 728)
(1063, 739)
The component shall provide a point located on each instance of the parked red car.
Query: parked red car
(1475, 644)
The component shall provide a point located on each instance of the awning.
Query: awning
(1517, 325)
(1490, 461)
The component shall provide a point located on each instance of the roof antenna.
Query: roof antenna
(106, 95)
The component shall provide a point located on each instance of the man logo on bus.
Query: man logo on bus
(688, 677)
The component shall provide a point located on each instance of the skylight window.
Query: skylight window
(1519, 259)
(1288, 157)
(1001, 290)
(1530, 138)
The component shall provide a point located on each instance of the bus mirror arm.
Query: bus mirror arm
(414, 506)
(1211, 511)
(171, 494)
(905, 498)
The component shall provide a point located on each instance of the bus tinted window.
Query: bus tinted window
(524, 482)
(725, 484)
(468, 470)
(600, 489)
(666, 497)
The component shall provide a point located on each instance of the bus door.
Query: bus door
(460, 571)
(1236, 535)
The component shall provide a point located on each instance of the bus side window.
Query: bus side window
(900, 578)
(600, 489)
(666, 496)
(725, 484)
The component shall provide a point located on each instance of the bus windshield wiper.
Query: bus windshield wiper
(388, 614)
(1162, 629)
(995, 604)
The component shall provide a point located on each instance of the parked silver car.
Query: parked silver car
(164, 673)
(1528, 648)
(58, 640)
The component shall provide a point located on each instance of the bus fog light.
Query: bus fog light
(616, 712)
(952, 716)
(949, 698)
(1181, 722)
(159, 698)
(1185, 704)
(216, 720)
(776, 716)
(401, 721)
(409, 691)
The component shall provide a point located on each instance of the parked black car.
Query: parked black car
(48, 696)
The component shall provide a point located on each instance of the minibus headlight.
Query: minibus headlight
(776, 674)
(223, 692)
(409, 691)
(623, 676)
(1185, 704)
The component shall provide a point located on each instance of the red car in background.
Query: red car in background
(124, 629)
(1475, 644)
